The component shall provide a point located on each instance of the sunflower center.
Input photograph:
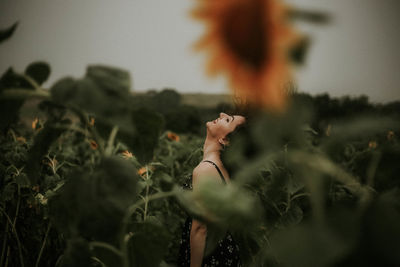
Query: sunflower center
(244, 32)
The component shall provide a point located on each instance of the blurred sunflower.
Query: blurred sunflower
(250, 41)
(35, 123)
(126, 154)
(91, 121)
(21, 139)
(142, 171)
(390, 135)
(173, 136)
(93, 144)
(372, 144)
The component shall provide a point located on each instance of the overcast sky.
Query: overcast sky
(357, 53)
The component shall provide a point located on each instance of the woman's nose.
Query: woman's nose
(222, 114)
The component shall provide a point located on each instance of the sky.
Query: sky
(356, 53)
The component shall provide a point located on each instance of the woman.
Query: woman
(194, 235)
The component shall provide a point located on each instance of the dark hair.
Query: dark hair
(241, 132)
(245, 109)
(238, 129)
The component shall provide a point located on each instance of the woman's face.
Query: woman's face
(224, 124)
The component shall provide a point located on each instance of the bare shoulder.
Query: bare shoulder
(204, 169)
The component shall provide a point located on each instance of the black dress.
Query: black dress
(226, 252)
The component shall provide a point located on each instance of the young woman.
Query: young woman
(194, 235)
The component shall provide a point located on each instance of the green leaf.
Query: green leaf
(9, 108)
(310, 16)
(39, 71)
(308, 245)
(8, 192)
(110, 79)
(298, 53)
(77, 254)
(22, 180)
(148, 244)
(224, 205)
(149, 125)
(103, 93)
(7, 33)
(13, 80)
(93, 205)
(43, 140)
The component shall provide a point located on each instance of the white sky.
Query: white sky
(357, 53)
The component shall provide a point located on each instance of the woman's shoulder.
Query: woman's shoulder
(202, 167)
(205, 168)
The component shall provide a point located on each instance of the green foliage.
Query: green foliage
(315, 186)
(148, 237)
(39, 71)
(85, 199)
(96, 95)
(148, 128)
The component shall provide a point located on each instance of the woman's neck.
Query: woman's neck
(211, 150)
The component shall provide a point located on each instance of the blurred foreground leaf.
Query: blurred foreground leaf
(39, 71)
(93, 204)
(7, 33)
(103, 92)
(148, 244)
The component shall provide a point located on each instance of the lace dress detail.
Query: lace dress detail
(226, 253)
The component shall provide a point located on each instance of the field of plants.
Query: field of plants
(91, 175)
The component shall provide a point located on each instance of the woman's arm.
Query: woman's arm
(198, 235)
(198, 232)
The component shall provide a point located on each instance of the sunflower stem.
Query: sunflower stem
(16, 236)
(43, 244)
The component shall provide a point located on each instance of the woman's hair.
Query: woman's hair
(238, 129)
(241, 132)
(244, 109)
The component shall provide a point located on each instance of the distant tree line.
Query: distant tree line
(183, 118)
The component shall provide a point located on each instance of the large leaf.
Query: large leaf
(77, 254)
(39, 71)
(113, 80)
(148, 244)
(7, 33)
(93, 205)
(148, 125)
(308, 245)
(43, 140)
(103, 92)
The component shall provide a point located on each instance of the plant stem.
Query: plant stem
(146, 199)
(16, 236)
(18, 204)
(3, 250)
(8, 254)
(131, 209)
(110, 142)
(18, 93)
(106, 246)
(43, 244)
(372, 167)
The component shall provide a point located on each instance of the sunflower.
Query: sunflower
(173, 136)
(126, 154)
(390, 135)
(372, 144)
(249, 41)
(91, 121)
(35, 123)
(142, 171)
(93, 144)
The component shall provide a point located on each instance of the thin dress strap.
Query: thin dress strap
(219, 171)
